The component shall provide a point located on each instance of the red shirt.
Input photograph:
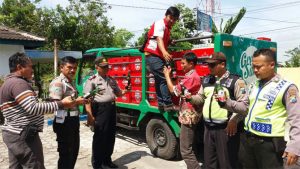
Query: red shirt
(158, 29)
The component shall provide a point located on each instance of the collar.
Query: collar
(166, 23)
(63, 77)
(11, 75)
(102, 77)
(190, 72)
(225, 75)
(275, 79)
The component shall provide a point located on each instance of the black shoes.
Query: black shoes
(110, 165)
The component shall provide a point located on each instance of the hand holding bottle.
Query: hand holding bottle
(220, 94)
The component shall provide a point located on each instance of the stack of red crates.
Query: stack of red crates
(120, 66)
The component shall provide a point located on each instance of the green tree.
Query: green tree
(81, 26)
(294, 55)
(121, 38)
(20, 14)
(230, 24)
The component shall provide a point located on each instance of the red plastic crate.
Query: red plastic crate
(152, 97)
(136, 79)
(178, 65)
(126, 98)
(151, 80)
(121, 80)
(136, 95)
(203, 52)
(202, 70)
(135, 64)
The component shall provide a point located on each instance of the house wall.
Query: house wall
(290, 74)
(5, 52)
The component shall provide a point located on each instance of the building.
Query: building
(12, 41)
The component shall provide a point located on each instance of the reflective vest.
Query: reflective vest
(267, 114)
(212, 112)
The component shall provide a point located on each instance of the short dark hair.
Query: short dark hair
(173, 11)
(67, 59)
(190, 57)
(270, 54)
(18, 59)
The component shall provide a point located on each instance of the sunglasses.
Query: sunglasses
(212, 65)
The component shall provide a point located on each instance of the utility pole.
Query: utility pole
(55, 58)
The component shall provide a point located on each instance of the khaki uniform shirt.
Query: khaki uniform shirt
(60, 87)
(291, 100)
(107, 85)
(239, 107)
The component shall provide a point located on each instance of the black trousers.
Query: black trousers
(220, 150)
(259, 153)
(104, 133)
(67, 137)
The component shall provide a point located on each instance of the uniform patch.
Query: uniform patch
(242, 90)
(262, 127)
(292, 95)
(241, 84)
(292, 92)
(228, 82)
(293, 99)
(92, 77)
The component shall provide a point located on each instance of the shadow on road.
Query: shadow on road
(134, 137)
(129, 158)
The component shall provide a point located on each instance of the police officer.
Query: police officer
(274, 104)
(102, 114)
(66, 121)
(221, 137)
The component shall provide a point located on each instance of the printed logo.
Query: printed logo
(246, 64)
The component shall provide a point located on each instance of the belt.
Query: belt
(73, 113)
(215, 125)
(105, 103)
(251, 135)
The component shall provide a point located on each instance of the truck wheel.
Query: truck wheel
(160, 139)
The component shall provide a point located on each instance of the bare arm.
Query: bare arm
(163, 49)
(170, 85)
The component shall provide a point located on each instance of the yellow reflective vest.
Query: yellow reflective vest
(212, 112)
(267, 114)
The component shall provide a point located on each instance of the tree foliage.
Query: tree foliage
(294, 55)
(230, 24)
(121, 38)
(80, 26)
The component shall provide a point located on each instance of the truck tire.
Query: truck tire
(161, 140)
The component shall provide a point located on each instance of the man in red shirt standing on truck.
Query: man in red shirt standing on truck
(157, 55)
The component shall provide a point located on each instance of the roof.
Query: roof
(47, 56)
(11, 34)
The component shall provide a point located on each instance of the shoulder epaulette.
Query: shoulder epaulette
(92, 77)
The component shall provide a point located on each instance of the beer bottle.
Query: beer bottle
(93, 92)
(184, 91)
(219, 90)
(128, 78)
(170, 64)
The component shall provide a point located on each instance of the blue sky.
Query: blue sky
(261, 17)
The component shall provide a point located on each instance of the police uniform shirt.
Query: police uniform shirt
(107, 85)
(60, 87)
(292, 105)
(240, 105)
